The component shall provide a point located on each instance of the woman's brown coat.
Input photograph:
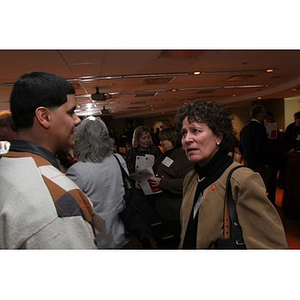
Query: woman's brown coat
(260, 222)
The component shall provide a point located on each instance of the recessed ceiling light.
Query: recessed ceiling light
(197, 73)
(270, 70)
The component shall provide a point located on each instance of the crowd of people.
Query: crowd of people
(62, 186)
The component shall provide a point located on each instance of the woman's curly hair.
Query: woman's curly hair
(213, 115)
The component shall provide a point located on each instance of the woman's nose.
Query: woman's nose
(187, 137)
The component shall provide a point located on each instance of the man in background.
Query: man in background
(289, 143)
(254, 144)
(8, 130)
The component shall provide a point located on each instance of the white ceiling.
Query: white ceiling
(153, 82)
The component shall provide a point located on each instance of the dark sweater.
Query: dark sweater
(134, 152)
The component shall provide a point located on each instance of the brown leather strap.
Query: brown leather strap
(226, 230)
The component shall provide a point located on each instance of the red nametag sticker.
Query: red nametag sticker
(213, 187)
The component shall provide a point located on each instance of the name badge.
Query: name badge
(167, 161)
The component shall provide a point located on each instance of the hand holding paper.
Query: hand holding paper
(144, 174)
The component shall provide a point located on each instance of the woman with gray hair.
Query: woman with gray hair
(98, 174)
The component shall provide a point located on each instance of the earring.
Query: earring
(218, 143)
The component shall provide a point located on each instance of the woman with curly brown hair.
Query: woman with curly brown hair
(207, 133)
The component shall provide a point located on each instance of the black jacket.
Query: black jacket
(168, 202)
(254, 144)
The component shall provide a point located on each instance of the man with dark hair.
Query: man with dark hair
(253, 139)
(254, 144)
(40, 208)
(7, 127)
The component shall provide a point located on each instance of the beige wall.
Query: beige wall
(277, 108)
(241, 117)
(291, 105)
(241, 114)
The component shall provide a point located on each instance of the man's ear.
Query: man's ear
(43, 116)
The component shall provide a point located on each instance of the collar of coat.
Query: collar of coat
(210, 172)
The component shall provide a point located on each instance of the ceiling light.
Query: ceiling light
(270, 70)
(197, 73)
(245, 86)
(87, 109)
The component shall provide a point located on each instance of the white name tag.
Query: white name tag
(167, 161)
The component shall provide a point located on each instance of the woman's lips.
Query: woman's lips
(190, 150)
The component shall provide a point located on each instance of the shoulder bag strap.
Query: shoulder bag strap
(124, 175)
(231, 224)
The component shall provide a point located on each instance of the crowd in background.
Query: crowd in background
(189, 156)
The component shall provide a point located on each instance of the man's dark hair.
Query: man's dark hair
(256, 110)
(37, 89)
